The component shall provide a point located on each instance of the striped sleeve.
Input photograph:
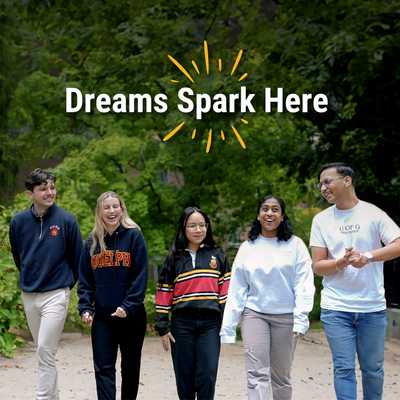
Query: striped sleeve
(164, 294)
(224, 280)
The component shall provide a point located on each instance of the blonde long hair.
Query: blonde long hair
(99, 230)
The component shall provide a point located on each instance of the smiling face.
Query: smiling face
(43, 196)
(270, 217)
(333, 185)
(195, 230)
(111, 213)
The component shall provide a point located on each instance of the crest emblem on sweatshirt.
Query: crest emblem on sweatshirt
(213, 263)
(54, 230)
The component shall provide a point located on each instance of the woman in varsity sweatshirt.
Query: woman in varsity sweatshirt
(193, 286)
(112, 286)
(272, 290)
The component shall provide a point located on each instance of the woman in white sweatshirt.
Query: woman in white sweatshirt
(272, 290)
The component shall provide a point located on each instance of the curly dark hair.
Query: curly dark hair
(37, 177)
(285, 230)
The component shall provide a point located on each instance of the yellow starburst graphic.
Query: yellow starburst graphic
(190, 77)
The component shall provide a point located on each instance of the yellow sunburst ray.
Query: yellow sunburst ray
(206, 60)
(244, 76)
(173, 132)
(174, 81)
(238, 137)
(244, 121)
(181, 68)
(237, 61)
(196, 67)
(209, 140)
(222, 135)
(193, 133)
(219, 65)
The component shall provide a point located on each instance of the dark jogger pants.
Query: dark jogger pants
(195, 353)
(109, 334)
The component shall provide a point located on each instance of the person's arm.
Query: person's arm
(164, 296)
(136, 293)
(13, 243)
(304, 289)
(389, 252)
(223, 282)
(237, 297)
(86, 286)
(74, 245)
(389, 234)
(323, 266)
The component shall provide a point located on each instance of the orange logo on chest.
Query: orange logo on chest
(54, 230)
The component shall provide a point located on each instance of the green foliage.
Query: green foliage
(150, 308)
(347, 49)
(316, 311)
(11, 309)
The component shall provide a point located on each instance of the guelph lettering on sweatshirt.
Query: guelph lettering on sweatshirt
(116, 277)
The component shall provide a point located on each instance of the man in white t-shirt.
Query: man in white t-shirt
(346, 243)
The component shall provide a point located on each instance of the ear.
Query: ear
(348, 181)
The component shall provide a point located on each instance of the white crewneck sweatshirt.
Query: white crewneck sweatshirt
(270, 277)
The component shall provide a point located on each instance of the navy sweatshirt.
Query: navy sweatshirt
(116, 277)
(46, 249)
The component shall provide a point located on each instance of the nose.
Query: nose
(269, 212)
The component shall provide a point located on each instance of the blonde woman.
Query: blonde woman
(112, 285)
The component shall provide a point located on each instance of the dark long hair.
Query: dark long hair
(285, 230)
(180, 243)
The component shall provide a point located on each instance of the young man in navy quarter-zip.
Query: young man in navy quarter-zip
(46, 245)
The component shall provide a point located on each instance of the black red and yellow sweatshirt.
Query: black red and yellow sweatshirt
(116, 277)
(182, 286)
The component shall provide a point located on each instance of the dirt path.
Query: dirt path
(312, 371)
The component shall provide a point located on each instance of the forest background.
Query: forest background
(347, 49)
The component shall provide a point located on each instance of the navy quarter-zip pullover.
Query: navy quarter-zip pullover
(46, 249)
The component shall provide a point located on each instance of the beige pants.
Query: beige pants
(269, 344)
(46, 313)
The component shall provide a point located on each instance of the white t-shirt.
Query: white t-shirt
(363, 227)
(270, 277)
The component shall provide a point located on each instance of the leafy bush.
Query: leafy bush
(11, 309)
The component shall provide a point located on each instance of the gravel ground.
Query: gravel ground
(312, 371)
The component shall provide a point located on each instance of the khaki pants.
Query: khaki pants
(46, 313)
(269, 344)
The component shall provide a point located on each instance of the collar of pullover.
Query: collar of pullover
(46, 215)
(116, 232)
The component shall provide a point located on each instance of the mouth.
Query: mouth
(269, 220)
(112, 218)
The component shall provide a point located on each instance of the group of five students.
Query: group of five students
(271, 290)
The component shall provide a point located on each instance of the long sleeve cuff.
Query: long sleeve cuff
(301, 323)
(228, 339)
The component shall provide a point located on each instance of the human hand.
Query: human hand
(87, 318)
(357, 259)
(119, 312)
(166, 339)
